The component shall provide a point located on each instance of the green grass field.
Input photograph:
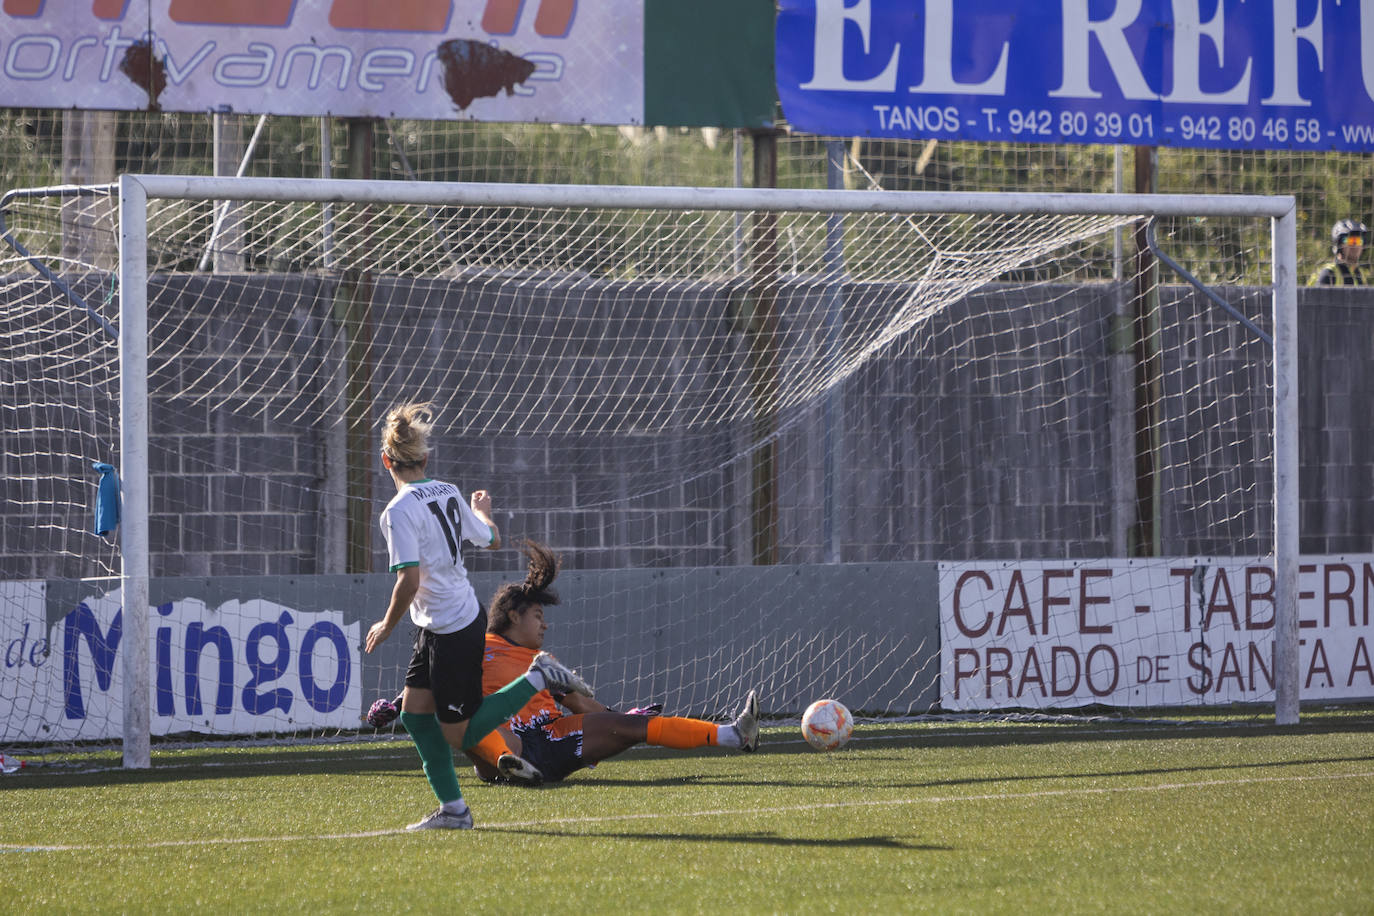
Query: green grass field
(925, 817)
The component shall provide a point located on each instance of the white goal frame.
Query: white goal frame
(136, 190)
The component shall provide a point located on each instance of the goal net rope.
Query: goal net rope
(743, 430)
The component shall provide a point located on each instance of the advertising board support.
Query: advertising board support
(88, 157)
(226, 241)
(353, 310)
(1122, 422)
(834, 322)
(762, 331)
(1149, 374)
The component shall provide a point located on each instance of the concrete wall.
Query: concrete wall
(934, 456)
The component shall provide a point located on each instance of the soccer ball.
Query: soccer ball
(827, 724)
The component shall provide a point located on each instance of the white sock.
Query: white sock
(536, 679)
(729, 736)
(458, 806)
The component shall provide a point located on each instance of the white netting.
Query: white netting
(710, 406)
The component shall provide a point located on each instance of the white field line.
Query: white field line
(708, 812)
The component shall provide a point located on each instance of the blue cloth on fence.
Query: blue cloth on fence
(106, 499)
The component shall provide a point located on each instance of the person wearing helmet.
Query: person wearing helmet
(1347, 244)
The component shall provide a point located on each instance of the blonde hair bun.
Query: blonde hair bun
(405, 438)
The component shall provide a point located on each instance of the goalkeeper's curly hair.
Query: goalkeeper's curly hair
(518, 597)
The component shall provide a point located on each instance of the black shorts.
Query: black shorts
(450, 665)
(555, 747)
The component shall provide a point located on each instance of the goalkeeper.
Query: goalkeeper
(540, 744)
(442, 706)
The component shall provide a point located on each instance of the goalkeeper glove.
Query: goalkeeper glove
(383, 713)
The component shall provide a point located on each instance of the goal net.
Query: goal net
(917, 452)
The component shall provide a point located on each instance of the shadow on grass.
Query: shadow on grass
(1113, 774)
(610, 782)
(397, 759)
(1018, 734)
(766, 838)
(224, 763)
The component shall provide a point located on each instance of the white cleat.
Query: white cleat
(558, 677)
(439, 819)
(747, 724)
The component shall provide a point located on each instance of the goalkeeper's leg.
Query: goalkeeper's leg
(496, 710)
(607, 734)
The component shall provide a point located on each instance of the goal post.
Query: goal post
(133, 446)
(1286, 518)
(656, 399)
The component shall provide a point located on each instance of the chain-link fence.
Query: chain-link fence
(54, 147)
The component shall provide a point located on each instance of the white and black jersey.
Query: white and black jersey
(425, 526)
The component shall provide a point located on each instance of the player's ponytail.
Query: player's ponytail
(541, 570)
(517, 597)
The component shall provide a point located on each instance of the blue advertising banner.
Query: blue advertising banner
(1230, 74)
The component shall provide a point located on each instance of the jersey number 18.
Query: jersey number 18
(451, 520)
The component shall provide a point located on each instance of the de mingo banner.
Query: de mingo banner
(228, 667)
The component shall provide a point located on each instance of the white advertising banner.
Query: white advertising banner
(1142, 633)
(242, 667)
(488, 60)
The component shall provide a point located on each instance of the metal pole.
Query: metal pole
(133, 452)
(641, 197)
(1286, 543)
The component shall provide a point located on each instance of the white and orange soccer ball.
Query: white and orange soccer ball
(827, 725)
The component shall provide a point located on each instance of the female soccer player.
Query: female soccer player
(442, 704)
(546, 745)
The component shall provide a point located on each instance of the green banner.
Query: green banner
(709, 63)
